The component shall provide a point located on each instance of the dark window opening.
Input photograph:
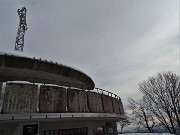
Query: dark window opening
(73, 131)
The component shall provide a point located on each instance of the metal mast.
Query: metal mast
(19, 44)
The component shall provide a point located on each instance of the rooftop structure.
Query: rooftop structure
(53, 99)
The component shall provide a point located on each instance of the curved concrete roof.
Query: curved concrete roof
(19, 68)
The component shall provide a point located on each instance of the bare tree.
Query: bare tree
(163, 95)
(123, 123)
(141, 114)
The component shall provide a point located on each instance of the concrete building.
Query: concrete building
(47, 98)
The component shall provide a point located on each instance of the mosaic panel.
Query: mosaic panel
(52, 99)
(121, 107)
(20, 98)
(95, 102)
(116, 105)
(77, 101)
(107, 104)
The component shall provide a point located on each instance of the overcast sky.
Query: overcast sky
(118, 43)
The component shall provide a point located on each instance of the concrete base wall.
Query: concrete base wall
(16, 128)
(8, 129)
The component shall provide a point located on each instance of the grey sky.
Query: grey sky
(118, 43)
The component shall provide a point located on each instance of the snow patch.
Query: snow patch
(146, 134)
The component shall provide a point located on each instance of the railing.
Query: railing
(112, 99)
(65, 85)
(102, 91)
(46, 81)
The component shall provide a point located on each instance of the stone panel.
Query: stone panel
(52, 99)
(121, 107)
(20, 98)
(95, 102)
(77, 101)
(116, 105)
(107, 104)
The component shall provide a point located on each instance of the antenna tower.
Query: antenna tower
(19, 44)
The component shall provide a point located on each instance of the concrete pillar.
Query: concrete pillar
(90, 131)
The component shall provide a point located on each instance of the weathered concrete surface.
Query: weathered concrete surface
(8, 128)
(78, 123)
(36, 70)
(116, 105)
(1, 84)
(107, 104)
(20, 98)
(94, 102)
(77, 100)
(16, 127)
(121, 107)
(52, 99)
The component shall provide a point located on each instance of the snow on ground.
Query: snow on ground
(145, 134)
